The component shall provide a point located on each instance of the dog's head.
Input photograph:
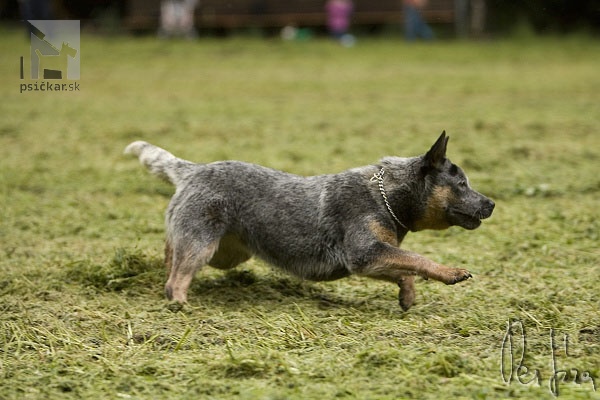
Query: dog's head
(448, 198)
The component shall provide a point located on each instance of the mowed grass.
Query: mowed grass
(82, 312)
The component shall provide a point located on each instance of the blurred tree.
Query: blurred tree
(560, 16)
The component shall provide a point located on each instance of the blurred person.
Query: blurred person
(478, 15)
(177, 18)
(338, 20)
(414, 25)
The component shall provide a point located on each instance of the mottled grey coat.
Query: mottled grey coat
(318, 228)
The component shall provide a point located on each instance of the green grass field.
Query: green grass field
(82, 312)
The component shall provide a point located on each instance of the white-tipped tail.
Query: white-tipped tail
(159, 161)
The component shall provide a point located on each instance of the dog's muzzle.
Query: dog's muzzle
(487, 208)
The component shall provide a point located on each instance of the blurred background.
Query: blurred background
(515, 84)
(448, 18)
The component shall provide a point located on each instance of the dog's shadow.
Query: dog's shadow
(242, 288)
(238, 288)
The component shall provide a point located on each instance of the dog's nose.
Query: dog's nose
(488, 207)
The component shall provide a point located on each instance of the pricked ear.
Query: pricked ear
(436, 156)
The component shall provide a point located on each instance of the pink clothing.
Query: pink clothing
(416, 3)
(338, 15)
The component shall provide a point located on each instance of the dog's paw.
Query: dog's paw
(457, 275)
(174, 306)
(405, 302)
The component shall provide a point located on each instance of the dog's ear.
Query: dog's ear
(436, 156)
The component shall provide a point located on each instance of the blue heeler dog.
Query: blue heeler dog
(319, 228)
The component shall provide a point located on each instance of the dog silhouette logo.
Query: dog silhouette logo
(54, 50)
(55, 66)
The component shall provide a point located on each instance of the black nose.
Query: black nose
(488, 207)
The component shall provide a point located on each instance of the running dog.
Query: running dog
(318, 228)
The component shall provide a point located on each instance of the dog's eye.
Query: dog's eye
(462, 183)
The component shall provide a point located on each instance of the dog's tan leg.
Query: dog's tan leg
(406, 297)
(393, 264)
(185, 262)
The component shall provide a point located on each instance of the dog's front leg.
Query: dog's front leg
(406, 295)
(393, 264)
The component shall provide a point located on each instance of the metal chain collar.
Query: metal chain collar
(379, 178)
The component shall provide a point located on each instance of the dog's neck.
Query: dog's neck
(378, 177)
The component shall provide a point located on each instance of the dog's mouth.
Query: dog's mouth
(471, 218)
(467, 220)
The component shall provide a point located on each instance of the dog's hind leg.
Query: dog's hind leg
(187, 257)
(168, 257)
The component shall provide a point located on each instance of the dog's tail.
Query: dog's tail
(160, 162)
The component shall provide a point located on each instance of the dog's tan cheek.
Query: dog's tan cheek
(434, 216)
